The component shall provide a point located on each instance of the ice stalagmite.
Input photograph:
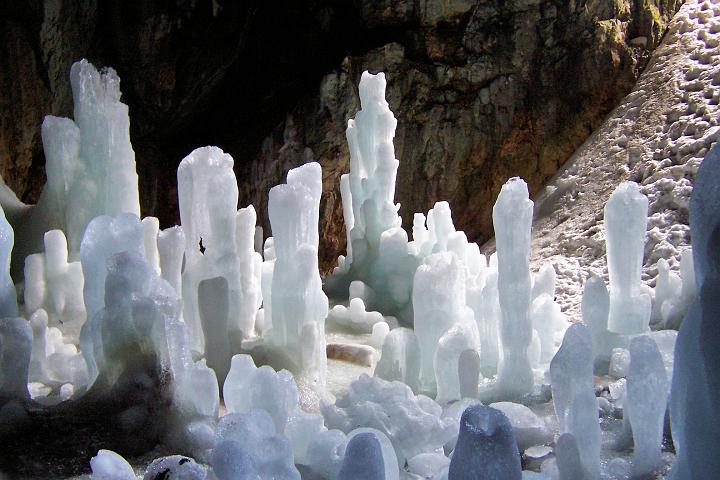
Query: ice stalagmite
(440, 305)
(512, 218)
(90, 162)
(625, 224)
(369, 454)
(486, 447)
(595, 307)
(250, 269)
(373, 168)
(400, 358)
(208, 197)
(571, 375)
(151, 230)
(568, 458)
(486, 307)
(694, 410)
(299, 306)
(369, 211)
(8, 296)
(56, 285)
(646, 401)
(171, 248)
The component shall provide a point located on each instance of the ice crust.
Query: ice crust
(414, 424)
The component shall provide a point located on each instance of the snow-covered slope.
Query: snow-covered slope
(657, 136)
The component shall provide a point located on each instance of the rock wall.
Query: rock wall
(482, 89)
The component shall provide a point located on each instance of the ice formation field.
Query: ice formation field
(221, 346)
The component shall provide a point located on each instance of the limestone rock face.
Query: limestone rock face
(483, 90)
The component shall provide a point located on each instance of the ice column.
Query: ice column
(368, 193)
(571, 375)
(694, 410)
(568, 458)
(373, 167)
(90, 164)
(56, 285)
(595, 307)
(400, 358)
(91, 168)
(512, 218)
(208, 197)
(439, 304)
(8, 296)
(625, 224)
(299, 306)
(645, 403)
(171, 248)
(151, 230)
(486, 306)
(547, 319)
(250, 268)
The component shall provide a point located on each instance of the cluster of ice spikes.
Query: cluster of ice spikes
(112, 306)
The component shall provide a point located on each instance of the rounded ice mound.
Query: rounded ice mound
(108, 465)
(414, 424)
(248, 447)
(363, 458)
(248, 387)
(326, 453)
(486, 447)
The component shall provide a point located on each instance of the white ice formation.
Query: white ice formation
(694, 413)
(299, 305)
(444, 324)
(90, 163)
(647, 393)
(571, 375)
(208, 198)
(156, 323)
(625, 224)
(56, 285)
(414, 424)
(512, 218)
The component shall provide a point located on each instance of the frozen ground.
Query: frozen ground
(657, 137)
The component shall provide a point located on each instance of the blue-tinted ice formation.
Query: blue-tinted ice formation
(110, 303)
(694, 411)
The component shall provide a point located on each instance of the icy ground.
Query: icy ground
(657, 137)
